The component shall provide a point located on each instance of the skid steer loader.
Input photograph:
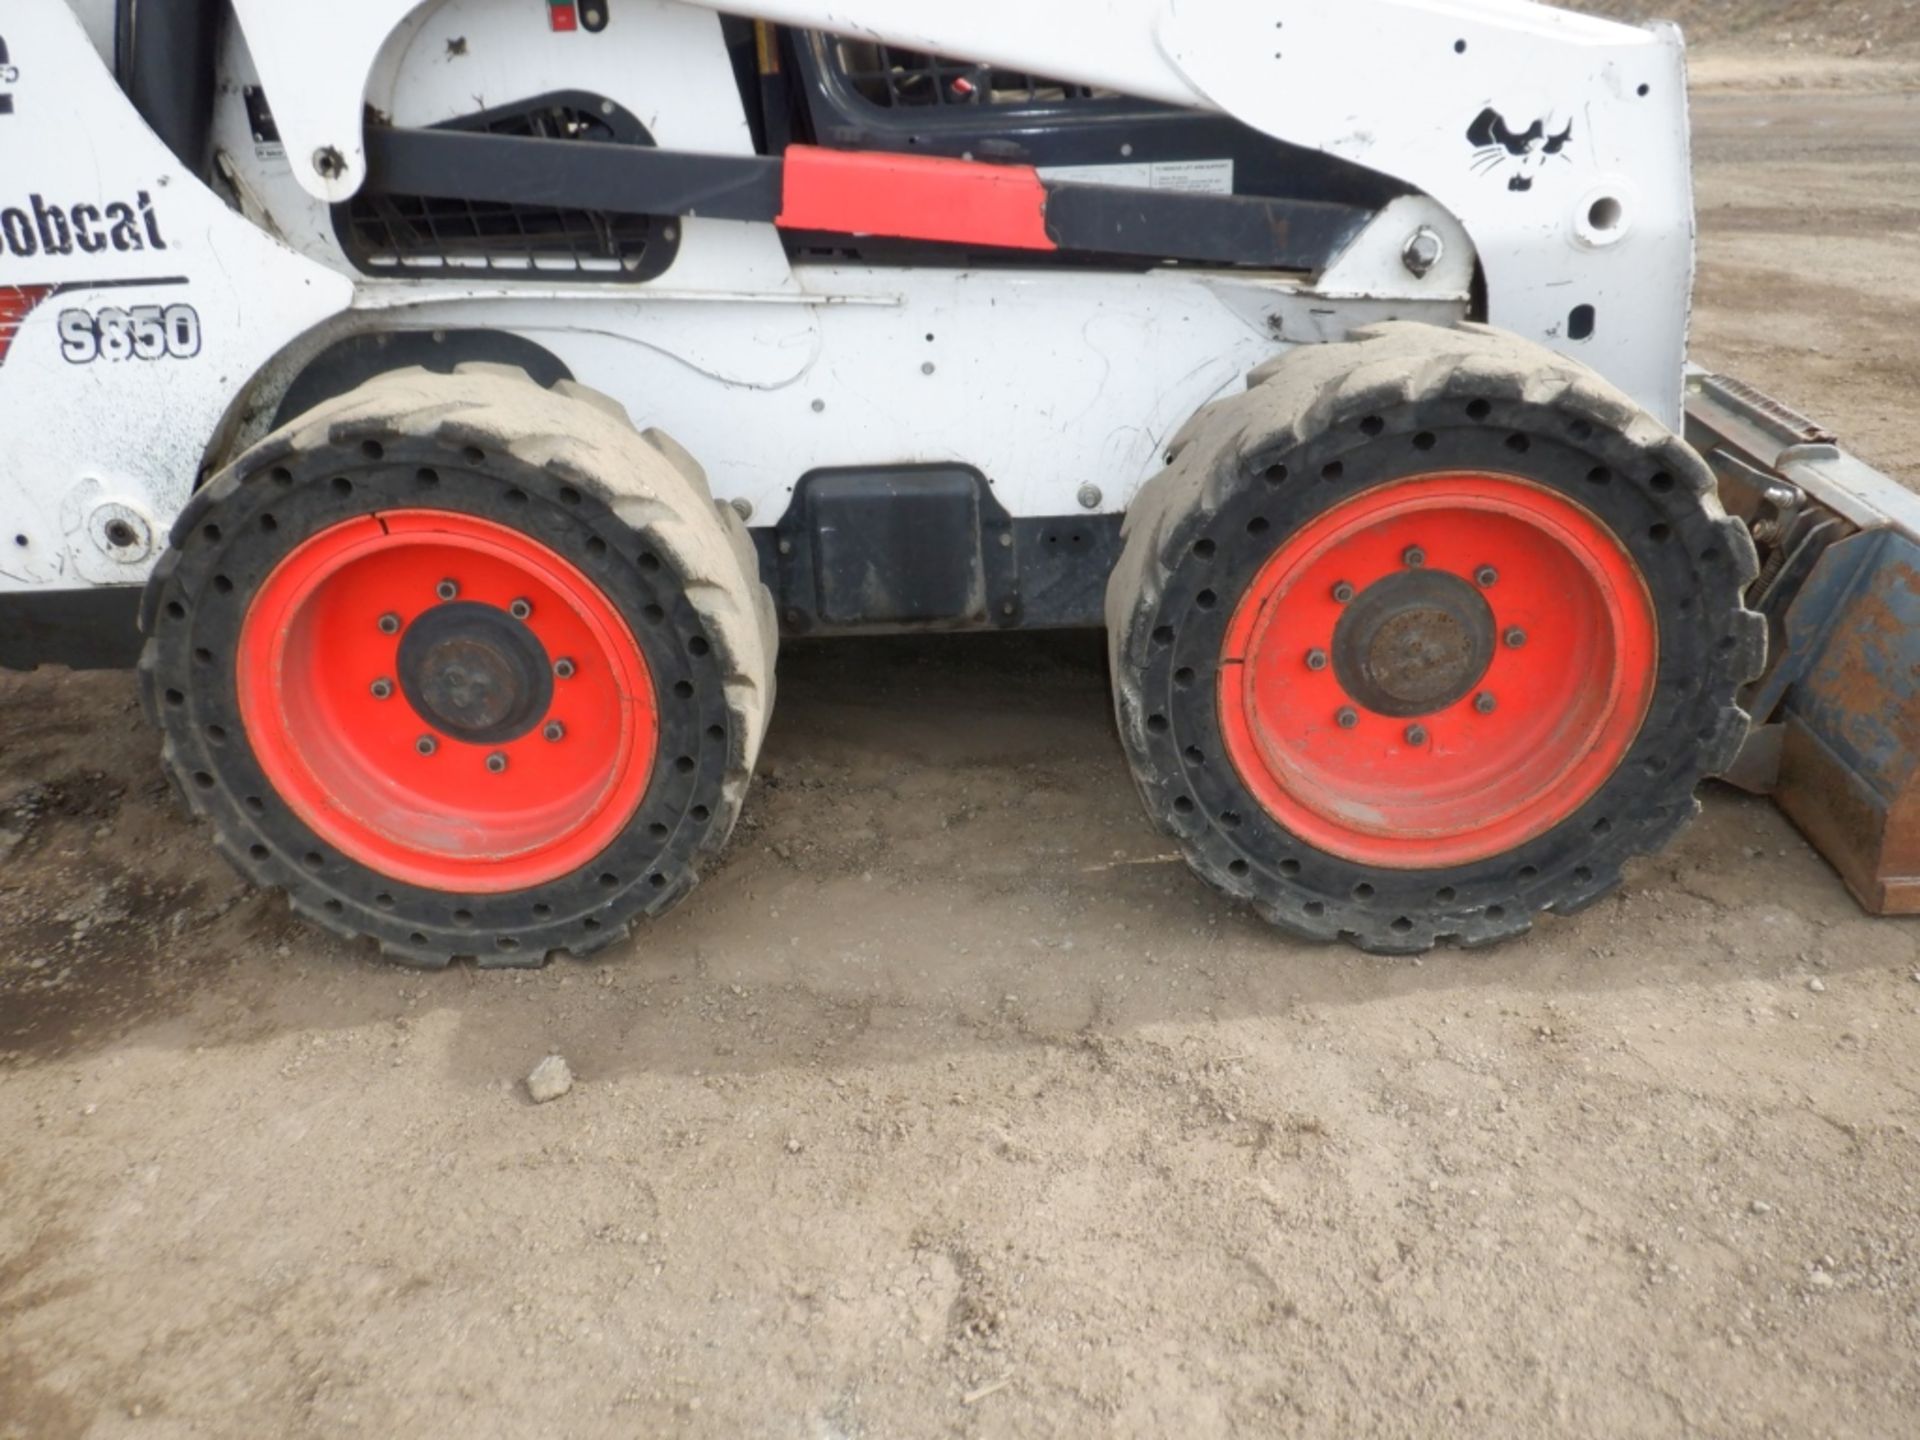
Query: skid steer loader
(449, 405)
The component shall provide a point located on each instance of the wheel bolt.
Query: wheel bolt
(382, 689)
(1415, 557)
(563, 667)
(1342, 593)
(555, 731)
(497, 762)
(1485, 703)
(426, 744)
(447, 589)
(1515, 638)
(1416, 735)
(520, 609)
(1486, 577)
(1316, 659)
(1346, 719)
(389, 624)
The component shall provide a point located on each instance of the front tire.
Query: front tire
(1425, 634)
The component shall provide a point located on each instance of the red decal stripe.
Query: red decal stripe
(16, 303)
(914, 197)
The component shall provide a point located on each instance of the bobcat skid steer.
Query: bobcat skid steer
(449, 405)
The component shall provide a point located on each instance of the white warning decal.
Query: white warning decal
(1196, 177)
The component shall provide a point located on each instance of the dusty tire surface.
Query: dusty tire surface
(1326, 423)
(564, 466)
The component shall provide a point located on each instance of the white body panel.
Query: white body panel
(1044, 381)
(87, 442)
(1392, 84)
(1049, 381)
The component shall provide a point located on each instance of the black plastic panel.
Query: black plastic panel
(97, 629)
(896, 548)
(918, 547)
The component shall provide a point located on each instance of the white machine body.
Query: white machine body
(150, 324)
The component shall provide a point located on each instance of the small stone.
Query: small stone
(1817, 985)
(1820, 1280)
(550, 1079)
(1761, 1207)
(794, 1147)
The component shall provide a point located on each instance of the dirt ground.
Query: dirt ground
(952, 1106)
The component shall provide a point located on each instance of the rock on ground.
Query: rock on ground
(550, 1079)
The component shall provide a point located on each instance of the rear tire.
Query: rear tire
(1370, 794)
(543, 726)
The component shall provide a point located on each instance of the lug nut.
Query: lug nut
(1485, 703)
(426, 744)
(1486, 577)
(446, 589)
(555, 731)
(1416, 735)
(1316, 659)
(520, 609)
(563, 667)
(389, 624)
(1342, 593)
(1515, 638)
(1415, 557)
(382, 689)
(1346, 719)
(496, 762)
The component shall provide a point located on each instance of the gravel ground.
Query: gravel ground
(952, 1106)
(1851, 27)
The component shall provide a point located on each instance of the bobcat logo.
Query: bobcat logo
(1496, 145)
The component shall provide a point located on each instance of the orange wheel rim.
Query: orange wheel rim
(1438, 670)
(325, 672)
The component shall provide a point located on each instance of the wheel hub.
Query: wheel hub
(475, 672)
(1414, 643)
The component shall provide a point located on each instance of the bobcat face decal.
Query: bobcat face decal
(1498, 147)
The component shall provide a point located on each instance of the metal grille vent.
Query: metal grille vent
(896, 79)
(415, 235)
